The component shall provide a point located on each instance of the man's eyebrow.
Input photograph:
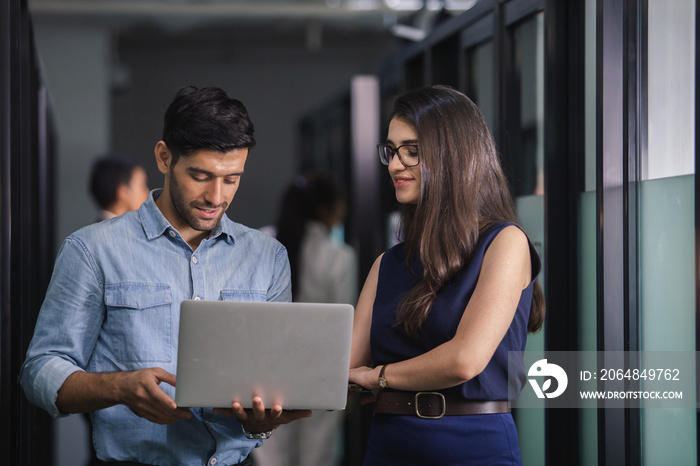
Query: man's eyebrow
(212, 174)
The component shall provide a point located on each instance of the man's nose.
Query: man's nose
(215, 192)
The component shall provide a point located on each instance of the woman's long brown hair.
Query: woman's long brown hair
(463, 192)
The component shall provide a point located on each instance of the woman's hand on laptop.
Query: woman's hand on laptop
(258, 419)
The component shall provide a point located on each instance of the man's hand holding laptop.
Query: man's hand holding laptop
(260, 420)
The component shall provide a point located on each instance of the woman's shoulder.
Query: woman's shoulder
(499, 229)
(510, 236)
(509, 242)
(396, 250)
(394, 255)
(494, 228)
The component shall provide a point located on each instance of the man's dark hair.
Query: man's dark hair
(108, 173)
(206, 118)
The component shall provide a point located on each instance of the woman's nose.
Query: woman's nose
(395, 164)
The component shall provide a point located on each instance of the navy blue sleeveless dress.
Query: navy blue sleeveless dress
(489, 439)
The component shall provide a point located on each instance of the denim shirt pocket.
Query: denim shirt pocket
(243, 295)
(139, 321)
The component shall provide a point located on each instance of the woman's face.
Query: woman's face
(406, 179)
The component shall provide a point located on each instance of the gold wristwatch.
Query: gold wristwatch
(383, 384)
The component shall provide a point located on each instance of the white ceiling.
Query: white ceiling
(187, 14)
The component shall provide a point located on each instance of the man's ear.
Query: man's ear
(163, 157)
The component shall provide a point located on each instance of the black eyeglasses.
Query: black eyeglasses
(408, 154)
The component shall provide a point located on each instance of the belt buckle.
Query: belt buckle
(442, 398)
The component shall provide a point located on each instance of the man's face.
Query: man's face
(199, 188)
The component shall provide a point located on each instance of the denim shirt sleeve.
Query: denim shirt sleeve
(281, 283)
(67, 326)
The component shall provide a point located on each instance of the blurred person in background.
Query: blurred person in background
(118, 184)
(324, 270)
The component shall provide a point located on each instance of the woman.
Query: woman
(439, 312)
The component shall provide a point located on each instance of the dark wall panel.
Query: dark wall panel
(26, 193)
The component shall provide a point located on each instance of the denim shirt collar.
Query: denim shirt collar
(155, 224)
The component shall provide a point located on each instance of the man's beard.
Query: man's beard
(185, 211)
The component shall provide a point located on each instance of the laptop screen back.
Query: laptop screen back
(293, 354)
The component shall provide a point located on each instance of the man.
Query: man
(106, 337)
(118, 185)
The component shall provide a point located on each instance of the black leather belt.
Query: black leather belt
(434, 405)
(246, 462)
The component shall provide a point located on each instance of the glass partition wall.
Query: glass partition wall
(645, 196)
(666, 216)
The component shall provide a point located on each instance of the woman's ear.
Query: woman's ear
(163, 157)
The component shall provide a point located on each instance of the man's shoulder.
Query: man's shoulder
(121, 228)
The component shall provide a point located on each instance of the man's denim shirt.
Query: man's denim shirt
(113, 304)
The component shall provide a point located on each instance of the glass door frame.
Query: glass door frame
(564, 180)
(697, 211)
(27, 154)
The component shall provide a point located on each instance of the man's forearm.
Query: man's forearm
(83, 392)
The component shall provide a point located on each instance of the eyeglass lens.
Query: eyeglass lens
(408, 154)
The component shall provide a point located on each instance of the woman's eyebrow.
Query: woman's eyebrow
(405, 141)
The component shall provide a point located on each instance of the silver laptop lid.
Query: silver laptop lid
(293, 354)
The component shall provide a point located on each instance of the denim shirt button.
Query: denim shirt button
(196, 298)
(172, 233)
(212, 461)
(194, 259)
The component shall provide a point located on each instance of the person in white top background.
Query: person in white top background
(323, 270)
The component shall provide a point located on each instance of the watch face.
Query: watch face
(382, 382)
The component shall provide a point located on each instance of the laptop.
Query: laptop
(293, 354)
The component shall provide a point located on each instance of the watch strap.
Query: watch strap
(256, 435)
(383, 384)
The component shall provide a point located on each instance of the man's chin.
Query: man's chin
(204, 225)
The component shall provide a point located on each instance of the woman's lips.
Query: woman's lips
(401, 181)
